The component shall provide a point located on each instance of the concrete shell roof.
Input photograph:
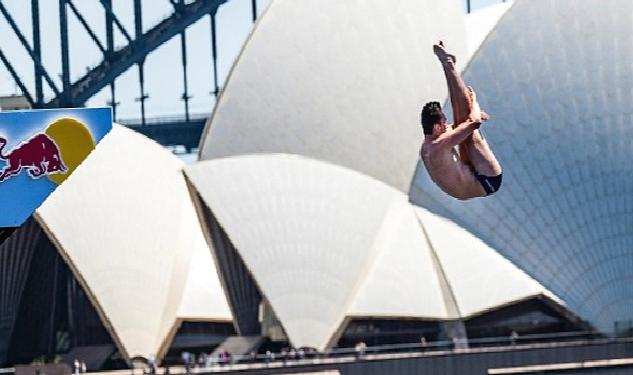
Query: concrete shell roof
(402, 279)
(481, 22)
(556, 77)
(479, 277)
(125, 224)
(203, 298)
(324, 243)
(303, 228)
(340, 81)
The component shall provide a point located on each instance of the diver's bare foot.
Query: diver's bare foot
(442, 55)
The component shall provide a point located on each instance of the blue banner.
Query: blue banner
(38, 150)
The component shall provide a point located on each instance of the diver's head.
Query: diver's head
(433, 119)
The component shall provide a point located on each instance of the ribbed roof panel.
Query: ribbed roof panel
(339, 81)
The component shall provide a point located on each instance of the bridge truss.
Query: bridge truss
(181, 130)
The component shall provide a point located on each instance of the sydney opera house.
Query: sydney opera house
(309, 221)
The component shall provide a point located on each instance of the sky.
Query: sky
(163, 67)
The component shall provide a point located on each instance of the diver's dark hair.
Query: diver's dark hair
(431, 115)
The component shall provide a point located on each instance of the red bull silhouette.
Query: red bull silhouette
(39, 155)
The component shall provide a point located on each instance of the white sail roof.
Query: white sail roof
(203, 298)
(402, 280)
(126, 226)
(324, 243)
(303, 228)
(555, 76)
(479, 277)
(340, 81)
(481, 22)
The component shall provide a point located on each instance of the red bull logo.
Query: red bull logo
(40, 150)
(39, 155)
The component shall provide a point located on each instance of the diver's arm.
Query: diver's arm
(458, 134)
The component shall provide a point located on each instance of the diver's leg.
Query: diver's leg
(458, 92)
(481, 156)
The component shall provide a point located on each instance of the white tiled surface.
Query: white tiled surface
(304, 229)
(126, 224)
(323, 242)
(401, 280)
(340, 81)
(479, 277)
(480, 22)
(557, 78)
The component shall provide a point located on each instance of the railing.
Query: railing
(405, 350)
(166, 119)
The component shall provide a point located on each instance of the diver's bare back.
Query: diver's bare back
(449, 172)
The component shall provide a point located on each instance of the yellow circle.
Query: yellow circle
(74, 142)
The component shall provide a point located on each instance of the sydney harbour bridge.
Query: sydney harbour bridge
(179, 130)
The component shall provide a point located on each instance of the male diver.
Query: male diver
(474, 171)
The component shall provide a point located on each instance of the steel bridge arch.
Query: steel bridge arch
(133, 53)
